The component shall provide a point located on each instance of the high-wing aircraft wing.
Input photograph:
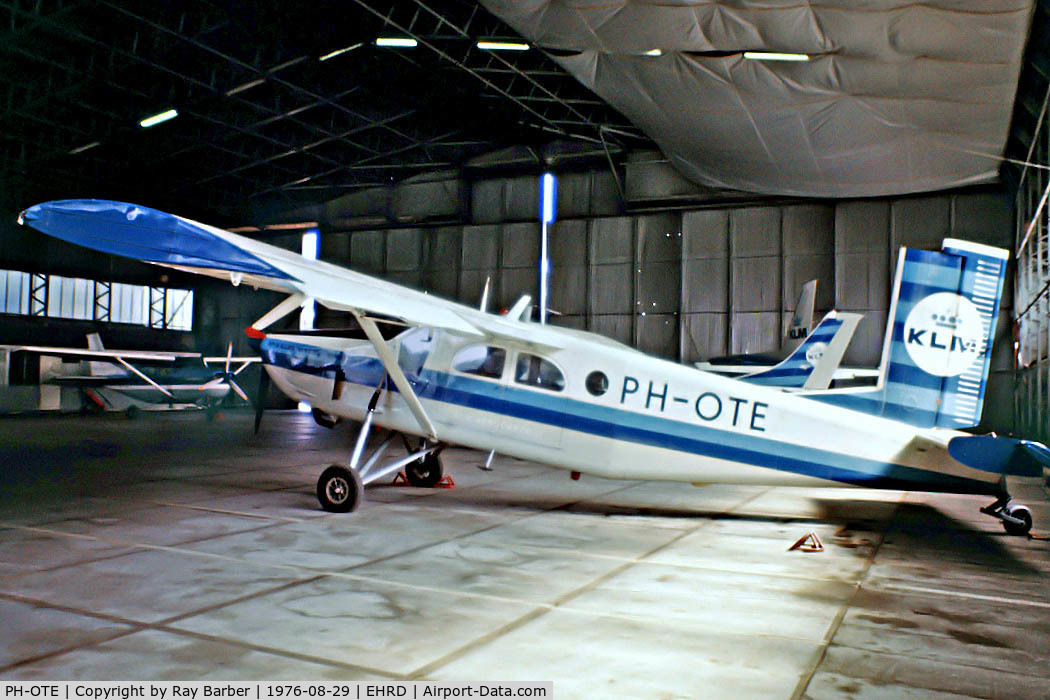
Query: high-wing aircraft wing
(112, 355)
(165, 239)
(153, 236)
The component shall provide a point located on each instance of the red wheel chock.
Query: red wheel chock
(808, 543)
(445, 483)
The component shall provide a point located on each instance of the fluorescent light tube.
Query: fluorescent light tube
(338, 52)
(81, 149)
(769, 56)
(502, 46)
(158, 118)
(654, 52)
(396, 42)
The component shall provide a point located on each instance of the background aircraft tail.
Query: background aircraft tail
(101, 369)
(938, 343)
(815, 359)
(802, 319)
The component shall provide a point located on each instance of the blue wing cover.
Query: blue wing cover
(141, 233)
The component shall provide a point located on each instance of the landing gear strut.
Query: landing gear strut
(341, 487)
(1016, 518)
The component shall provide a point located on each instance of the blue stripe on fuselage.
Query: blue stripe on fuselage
(619, 424)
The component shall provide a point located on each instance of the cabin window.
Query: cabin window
(538, 372)
(484, 361)
(597, 383)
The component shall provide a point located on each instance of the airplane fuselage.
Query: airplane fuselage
(600, 408)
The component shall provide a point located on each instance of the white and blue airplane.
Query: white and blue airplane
(457, 375)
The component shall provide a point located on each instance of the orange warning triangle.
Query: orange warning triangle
(808, 543)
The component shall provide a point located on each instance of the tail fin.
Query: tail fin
(802, 319)
(813, 362)
(101, 369)
(939, 337)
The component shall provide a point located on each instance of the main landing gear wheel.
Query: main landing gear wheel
(1021, 513)
(426, 471)
(1016, 518)
(339, 489)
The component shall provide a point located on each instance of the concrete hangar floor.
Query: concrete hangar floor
(168, 548)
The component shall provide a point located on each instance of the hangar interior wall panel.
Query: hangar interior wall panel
(568, 290)
(521, 199)
(480, 247)
(704, 335)
(568, 243)
(521, 245)
(809, 253)
(705, 284)
(754, 332)
(368, 251)
(919, 222)
(420, 200)
(486, 201)
(516, 281)
(404, 249)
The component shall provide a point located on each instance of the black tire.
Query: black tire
(425, 472)
(339, 489)
(1022, 513)
(323, 419)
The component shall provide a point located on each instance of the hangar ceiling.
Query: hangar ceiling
(279, 103)
(283, 104)
(836, 98)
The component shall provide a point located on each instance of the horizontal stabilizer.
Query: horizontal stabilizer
(1000, 455)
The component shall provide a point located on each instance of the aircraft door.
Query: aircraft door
(477, 383)
(536, 386)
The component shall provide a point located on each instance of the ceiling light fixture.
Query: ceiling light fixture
(81, 149)
(502, 46)
(654, 52)
(245, 86)
(339, 52)
(770, 56)
(397, 42)
(158, 118)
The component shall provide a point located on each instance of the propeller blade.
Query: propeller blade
(260, 396)
(241, 368)
(240, 392)
(214, 382)
(229, 354)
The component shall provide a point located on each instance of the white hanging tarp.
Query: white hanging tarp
(897, 96)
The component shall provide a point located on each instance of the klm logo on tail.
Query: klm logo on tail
(943, 334)
(938, 340)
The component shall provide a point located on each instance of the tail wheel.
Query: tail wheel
(425, 472)
(339, 489)
(1021, 513)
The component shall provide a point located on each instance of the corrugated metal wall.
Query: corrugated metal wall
(683, 284)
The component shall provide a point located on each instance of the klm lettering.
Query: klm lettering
(940, 341)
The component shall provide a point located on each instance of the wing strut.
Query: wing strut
(386, 356)
(278, 312)
(156, 386)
